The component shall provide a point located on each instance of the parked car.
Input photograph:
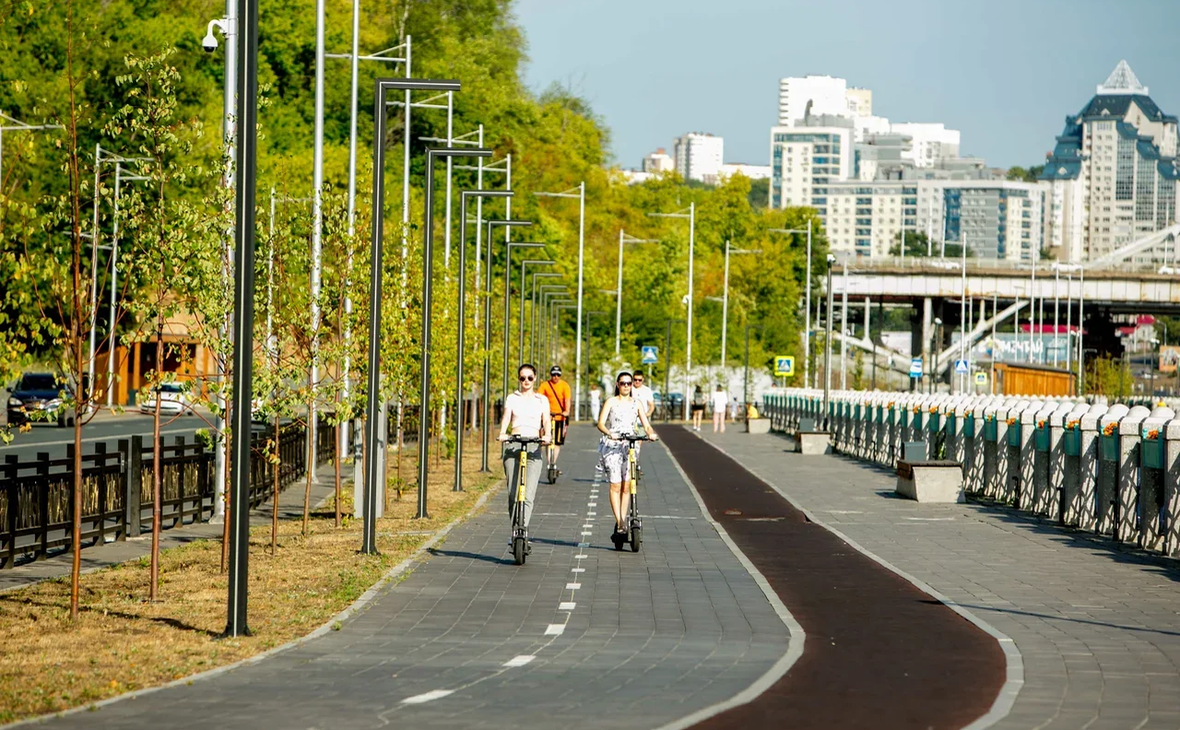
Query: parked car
(40, 398)
(173, 398)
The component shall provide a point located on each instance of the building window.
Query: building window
(1125, 172)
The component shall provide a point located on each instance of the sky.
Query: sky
(1003, 72)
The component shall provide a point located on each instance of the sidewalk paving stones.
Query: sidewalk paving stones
(469, 640)
(1097, 626)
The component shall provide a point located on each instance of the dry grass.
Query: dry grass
(122, 643)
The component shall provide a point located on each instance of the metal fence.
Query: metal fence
(1108, 469)
(37, 495)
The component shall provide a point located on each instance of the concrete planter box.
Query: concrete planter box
(813, 443)
(757, 425)
(931, 481)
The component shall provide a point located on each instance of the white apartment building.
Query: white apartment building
(699, 157)
(1112, 176)
(754, 172)
(658, 161)
(996, 219)
(804, 160)
(818, 95)
(929, 141)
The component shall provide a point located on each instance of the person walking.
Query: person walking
(595, 402)
(526, 413)
(698, 407)
(621, 414)
(720, 403)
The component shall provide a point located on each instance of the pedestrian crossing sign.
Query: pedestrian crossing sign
(784, 365)
(650, 356)
(981, 378)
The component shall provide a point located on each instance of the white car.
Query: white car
(173, 398)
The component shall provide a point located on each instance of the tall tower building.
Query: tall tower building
(698, 157)
(1112, 175)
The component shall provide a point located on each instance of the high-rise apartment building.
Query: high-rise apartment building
(658, 161)
(1112, 176)
(929, 142)
(804, 159)
(816, 95)
(699, 157)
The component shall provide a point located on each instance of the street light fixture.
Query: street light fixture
(544, 291)
(807, 299)
(692, 224)
(623, 238)
(546, 335)
(828, 348)
(119, 178)
(376, 257)
(725, 293)
(462, 326)
(533, 288)
(581, 196)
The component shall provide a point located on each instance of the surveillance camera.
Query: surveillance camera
(209, 42)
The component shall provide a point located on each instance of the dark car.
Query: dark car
(39, 397)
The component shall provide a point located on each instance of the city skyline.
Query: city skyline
(1007, 85)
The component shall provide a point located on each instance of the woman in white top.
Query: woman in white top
(620, 415)
(720, 403)
(526, 413)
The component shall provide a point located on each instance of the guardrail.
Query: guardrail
(1109, 469)
(37, 496)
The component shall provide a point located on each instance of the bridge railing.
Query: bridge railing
(1108, 469)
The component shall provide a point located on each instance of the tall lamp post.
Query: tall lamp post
(623, 238)
(487, 327)
(533, 289)
(464, 196)
(544, 292)
(427, 300)
(376, 256)
(691, 215)
(581, 196)
(120, 177)
(807, 297)
(725, 293)
(828, 346)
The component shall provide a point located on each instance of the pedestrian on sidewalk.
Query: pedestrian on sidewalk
(595, 402)
(621, 414)
(720, 403)
(698, 408)
(526, 413)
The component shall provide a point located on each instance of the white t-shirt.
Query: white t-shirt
(527, 412)
(644, 395)
(595, 397)
(720, 400)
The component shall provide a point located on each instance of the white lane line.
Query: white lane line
(577, 570)
(519, 661)
(572, 586)
(434, 694)
(586, 533)
(591, 514)
(566, 606)
(552, 630)
(581, 556)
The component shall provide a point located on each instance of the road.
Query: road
(104, 427)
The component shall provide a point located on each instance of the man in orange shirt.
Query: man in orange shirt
(558, 393)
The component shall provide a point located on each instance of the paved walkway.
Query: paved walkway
(582, 636)
(1097, 627)
(97, 557)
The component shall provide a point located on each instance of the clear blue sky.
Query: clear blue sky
(1004, 72)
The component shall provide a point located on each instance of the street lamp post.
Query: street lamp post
(427, 301)
(462, 323)
(376, 257)
(725, 294)
(692, 224)
(623, 238)
(581, 196)
(119, 178)
(544, 291)
(807, 296)
(668, 366)
(543, 275)
(487, 328)
(828, 346)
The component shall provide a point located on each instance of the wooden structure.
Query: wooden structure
(1039, 380)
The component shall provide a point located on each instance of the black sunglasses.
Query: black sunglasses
(624, 382)
(529, 378)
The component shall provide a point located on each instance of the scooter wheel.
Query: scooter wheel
(519, 550)
(636, 538)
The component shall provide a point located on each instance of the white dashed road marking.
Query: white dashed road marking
(519, 661)
(552, 630)
(572, 586)
(433, 694)
(566, 606)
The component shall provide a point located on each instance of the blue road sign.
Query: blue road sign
(650, 354)
(916, 367)
(960, 366)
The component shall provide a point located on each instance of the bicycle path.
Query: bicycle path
(1097, 626)
(581, 636)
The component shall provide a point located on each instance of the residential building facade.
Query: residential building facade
(1112, 175)
(658, 161)
(815, 95)
(699, 157)
(804, 160)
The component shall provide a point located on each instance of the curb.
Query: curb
(360, 603)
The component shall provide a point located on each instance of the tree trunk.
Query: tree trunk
(277, 464)
(310, 469)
